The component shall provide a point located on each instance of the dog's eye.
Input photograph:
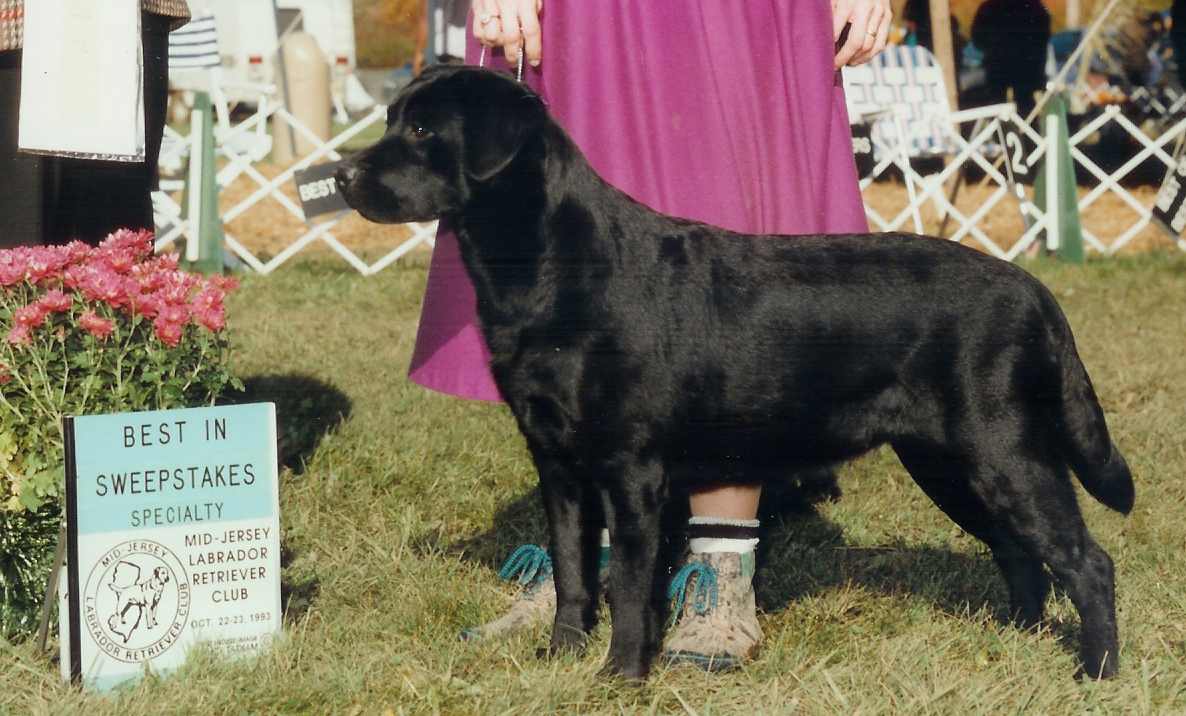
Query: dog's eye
(420, 132)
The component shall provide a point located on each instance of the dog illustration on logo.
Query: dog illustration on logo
(133, 594)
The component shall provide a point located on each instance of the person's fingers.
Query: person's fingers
(859, 23)
(876, 30)
(840, 12)
(882, 37)
(532, 35)
(883, 32)
(512, 25)
(484, 15)
(511, 40)
(872, 27)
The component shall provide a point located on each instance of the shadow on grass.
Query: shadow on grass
(307, 409)
(297, 590)
(801, 554)
(806, 554)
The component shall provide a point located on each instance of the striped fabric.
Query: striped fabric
(906, 78)
(194, 45)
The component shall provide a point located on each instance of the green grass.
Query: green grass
(399, 503)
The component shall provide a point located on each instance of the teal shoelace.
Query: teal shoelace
(529, 564)
(704, 597)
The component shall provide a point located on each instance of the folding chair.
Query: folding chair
(195, 65)
(901, 94)
(192, 48)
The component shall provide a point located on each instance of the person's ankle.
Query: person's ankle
(722, 534)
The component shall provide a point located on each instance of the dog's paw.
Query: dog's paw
(630, 673)
(1097, 667)
(1026, 622)
(565, 640)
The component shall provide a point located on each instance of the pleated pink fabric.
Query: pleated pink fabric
(724, 112)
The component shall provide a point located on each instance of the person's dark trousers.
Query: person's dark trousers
(22, 176)
(81, 199)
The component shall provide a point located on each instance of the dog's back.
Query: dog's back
(751, 356)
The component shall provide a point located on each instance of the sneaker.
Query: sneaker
(717, 629)
(531, 567)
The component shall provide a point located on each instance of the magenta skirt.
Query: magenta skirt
(724, 112)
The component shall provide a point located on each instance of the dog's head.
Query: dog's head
(452, 129)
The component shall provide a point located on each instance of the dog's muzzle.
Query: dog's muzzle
(345, 175)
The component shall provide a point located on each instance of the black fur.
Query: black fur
(643, 355)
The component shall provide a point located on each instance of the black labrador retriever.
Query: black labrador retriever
(642, 354)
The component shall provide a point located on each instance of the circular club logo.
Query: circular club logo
(136, 601)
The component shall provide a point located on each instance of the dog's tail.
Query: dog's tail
(1096, 460)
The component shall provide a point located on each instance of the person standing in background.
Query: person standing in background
(51, 199)
(1013, 35)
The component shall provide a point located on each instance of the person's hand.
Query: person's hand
(869, 25)
(512, 25)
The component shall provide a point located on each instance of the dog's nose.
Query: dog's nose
(345, 174)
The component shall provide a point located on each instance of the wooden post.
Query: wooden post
(1073, 14)
(945, 48)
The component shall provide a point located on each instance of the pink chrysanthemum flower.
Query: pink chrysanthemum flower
(20, 335)
(168, 331)
(96, 325)
(56, 301)
(30, 316)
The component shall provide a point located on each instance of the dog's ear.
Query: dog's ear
(501, 115)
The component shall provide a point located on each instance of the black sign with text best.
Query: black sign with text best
(317, 190)
(862, 149)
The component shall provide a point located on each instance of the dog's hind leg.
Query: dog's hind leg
(574, 521)
(945, 480)
(1046, 519)
(1036, 501)
(633, 504)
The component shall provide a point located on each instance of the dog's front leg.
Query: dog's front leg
(574, 521)
(633, 502)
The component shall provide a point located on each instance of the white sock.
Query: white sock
(722, 534)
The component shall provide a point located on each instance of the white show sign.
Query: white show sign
(173, 539)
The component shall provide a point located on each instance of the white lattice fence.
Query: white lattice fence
(1160, 148)
(933, 191)
(972, 218)
(1112, 214)
(239, 162)
(994, 214)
